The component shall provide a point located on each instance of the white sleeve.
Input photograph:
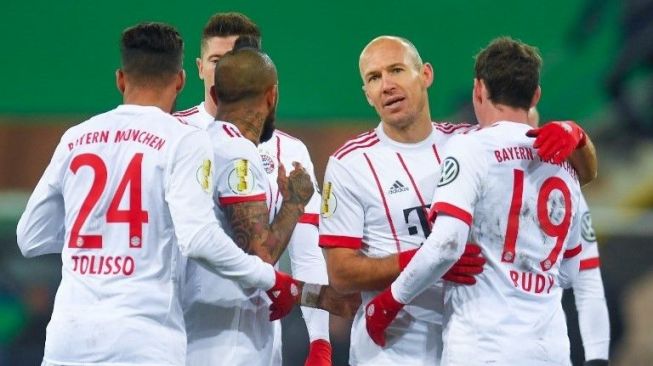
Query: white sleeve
(308, 265)
(589, 294)
(189, 196)
(240, 176)
(438, 253)
(342, 214)
(41, 227)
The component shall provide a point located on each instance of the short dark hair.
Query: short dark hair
(510, 70)
(243, 74)
(229, 24)
(151, 52)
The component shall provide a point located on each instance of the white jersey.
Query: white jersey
(226, 324)
(524, 215)
(375, 199)
(306, 258)
(119, 189)
(196, 116)
(593, 319)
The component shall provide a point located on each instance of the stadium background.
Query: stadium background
(58, 68)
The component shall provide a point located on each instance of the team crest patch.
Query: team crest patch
(241, 179)
(586, 228)
(268, 163)
(448, 171)
(204, 176)
(329, 201)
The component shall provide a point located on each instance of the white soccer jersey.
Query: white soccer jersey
(306, 258)
(121, 187)
(196, 116)
(226, 324)
(524, 215)
(593, 319)
(375, 198)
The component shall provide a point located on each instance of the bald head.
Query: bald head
(391, 42)
(243, 74)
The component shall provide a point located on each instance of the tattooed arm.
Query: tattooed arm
(249, 220)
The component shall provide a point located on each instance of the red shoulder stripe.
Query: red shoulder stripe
(226, 129)
(286, 135)
(356, 147)
(187, 112)
(358, 139)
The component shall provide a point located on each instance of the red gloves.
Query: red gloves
(469, 265)
(556, 140)
(379, 313)
(319, 354)
(463, 271)
(284, 295)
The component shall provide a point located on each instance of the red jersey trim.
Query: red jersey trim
(228, 131)
(356, 140)
(286, 135)
(385, 203)
(437, 156)
(309, 218)
(356, 147)
(186, 112)
(570, 253)
(449, 128)
(590, 263)
(452, 210)
(182, 121)
(230, 200)
(338, 241)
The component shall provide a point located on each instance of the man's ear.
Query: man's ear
(428, 74)
(536, 96)
(180, 81)
(272, 96)
(214, 96)
(120, 81)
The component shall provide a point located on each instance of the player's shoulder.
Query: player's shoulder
(187, 112)
(355, 147)
(449, 128)
(229, 141)
(288, 141)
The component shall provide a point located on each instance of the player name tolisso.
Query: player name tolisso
(127, 135)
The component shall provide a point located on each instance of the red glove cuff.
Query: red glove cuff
(405, 257)
(319, 353)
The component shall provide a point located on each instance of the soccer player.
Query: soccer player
(593, 318)
(376, 196)
(218, 37)
(123, 193)
(524, 213)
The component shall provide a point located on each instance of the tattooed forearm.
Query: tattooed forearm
(249, 224)
(251, 231)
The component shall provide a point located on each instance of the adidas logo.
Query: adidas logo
(397, 187)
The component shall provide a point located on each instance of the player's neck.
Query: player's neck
(248, 120)
(500, 112)
(163, 98)
(414, 132)
(209, 105)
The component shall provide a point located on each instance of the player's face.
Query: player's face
(214, 48)
(394, 85)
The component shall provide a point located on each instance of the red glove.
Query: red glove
(556, 140)
(319, 354)
(379, 313)
(469, 265)
(463, 271)
(284, 295)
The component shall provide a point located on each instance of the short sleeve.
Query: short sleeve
(240, 176)
(460, 179)
(341, 212)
